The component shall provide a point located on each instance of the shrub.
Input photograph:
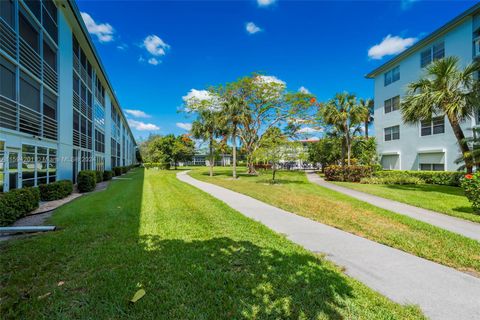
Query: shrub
(393, 180)
(117, 171)
(87, 180)
(471, 185)
(99, 177)
(348, 173)
(107, 175)
(157, 165)
(448, 178)
(124, 169)
(15, 204)
(55, 190)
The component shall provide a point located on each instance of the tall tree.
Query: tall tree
(445, 90)
(206, 128)
(369, 111)
(266, 105)
(182, 149)
(343, 113)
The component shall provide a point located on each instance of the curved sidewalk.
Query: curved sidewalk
(465, 228)
(441, 292)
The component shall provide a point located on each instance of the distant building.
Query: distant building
(428, 145)
(202, 159)
(58, 111)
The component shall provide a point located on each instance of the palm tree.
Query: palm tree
(344, 114)
(369, 111)
(206, 128)
(445, 90)
(232, 116)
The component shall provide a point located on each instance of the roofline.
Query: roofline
(432, 36)
(78, 17)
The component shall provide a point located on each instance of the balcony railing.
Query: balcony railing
(8, 113)
(30, 121)
(476, 47)
(7, 39)
(50, 76)
(29, 58)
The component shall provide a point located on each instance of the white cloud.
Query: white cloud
(153, 61)
(197, 99)
(252, 28)
(199, 95)
(390, 45)
(142, 126)
(302, 89)
(184, 125)
(103, 31)
(122, 46)
(265, 3)
(137, 113)
(309, 130)
(270, 79)
(155, 46)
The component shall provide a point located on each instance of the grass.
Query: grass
(195, 257)
(295, 194)
(444, 199)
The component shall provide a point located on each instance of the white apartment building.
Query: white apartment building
(428, 145)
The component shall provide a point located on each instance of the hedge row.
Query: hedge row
(157, 165)
(86, 180)
(118, 171)
(15, 204)
(55, 190)
(348, 173)
(447, 178)
(471, 185)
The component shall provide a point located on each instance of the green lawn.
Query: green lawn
(295, 194)
(195, 257)
(445, 199)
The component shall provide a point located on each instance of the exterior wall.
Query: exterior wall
(411, 145)
(43, 155)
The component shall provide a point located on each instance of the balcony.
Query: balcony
(476, 47)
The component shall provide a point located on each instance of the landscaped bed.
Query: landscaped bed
(194, 256)
(295, 194)
(445, 199)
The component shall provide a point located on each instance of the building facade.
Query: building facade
(428, 145)
(58, 111)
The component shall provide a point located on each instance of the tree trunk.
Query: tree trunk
(234, 155)
(343, 151)
(348, 143)
(366, 128)
(250, 165)
(273, 173)
(457, 130)
(211, 157)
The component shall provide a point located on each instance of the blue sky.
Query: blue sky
(155, 52)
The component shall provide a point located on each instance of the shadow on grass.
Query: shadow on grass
(456, 191)
(464, 209)
(223, 278)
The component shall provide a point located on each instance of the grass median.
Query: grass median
(295, 194)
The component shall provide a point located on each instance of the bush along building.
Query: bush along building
(428, 145)
(58, 110)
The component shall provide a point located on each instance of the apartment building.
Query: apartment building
(58, 111)
(428, 145)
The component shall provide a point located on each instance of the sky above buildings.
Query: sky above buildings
(155, 52)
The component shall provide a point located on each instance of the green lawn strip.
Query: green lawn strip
(444, 199)
(195, 257)
(295, 194)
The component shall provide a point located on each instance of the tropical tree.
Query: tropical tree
(445, 90)
(183, 149)
(343, 114)
(369, 111)
(206, 127)
(266, 104)
(326, 151)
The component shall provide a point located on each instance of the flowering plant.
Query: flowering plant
(471, 185)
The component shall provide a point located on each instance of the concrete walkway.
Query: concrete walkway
(441, 292)
(465, 228)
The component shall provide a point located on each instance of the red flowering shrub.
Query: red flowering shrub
(471, 185)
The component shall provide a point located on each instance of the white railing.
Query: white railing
(50, 76)
(30, 121)
(29, 58)
(476, 47)
(8, 113)
(49, 128)
(8, 42)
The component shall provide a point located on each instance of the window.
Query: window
(434, 126)
(34, 6)
(432, 167)
(29, 92)
(49, 105)
(392, 104)
(29, 33)
(7, 79)
(50, 56)
(392, 133)
(392, 76)
(7, 12)
(50, 19)
(2, 165)
(435, 52)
